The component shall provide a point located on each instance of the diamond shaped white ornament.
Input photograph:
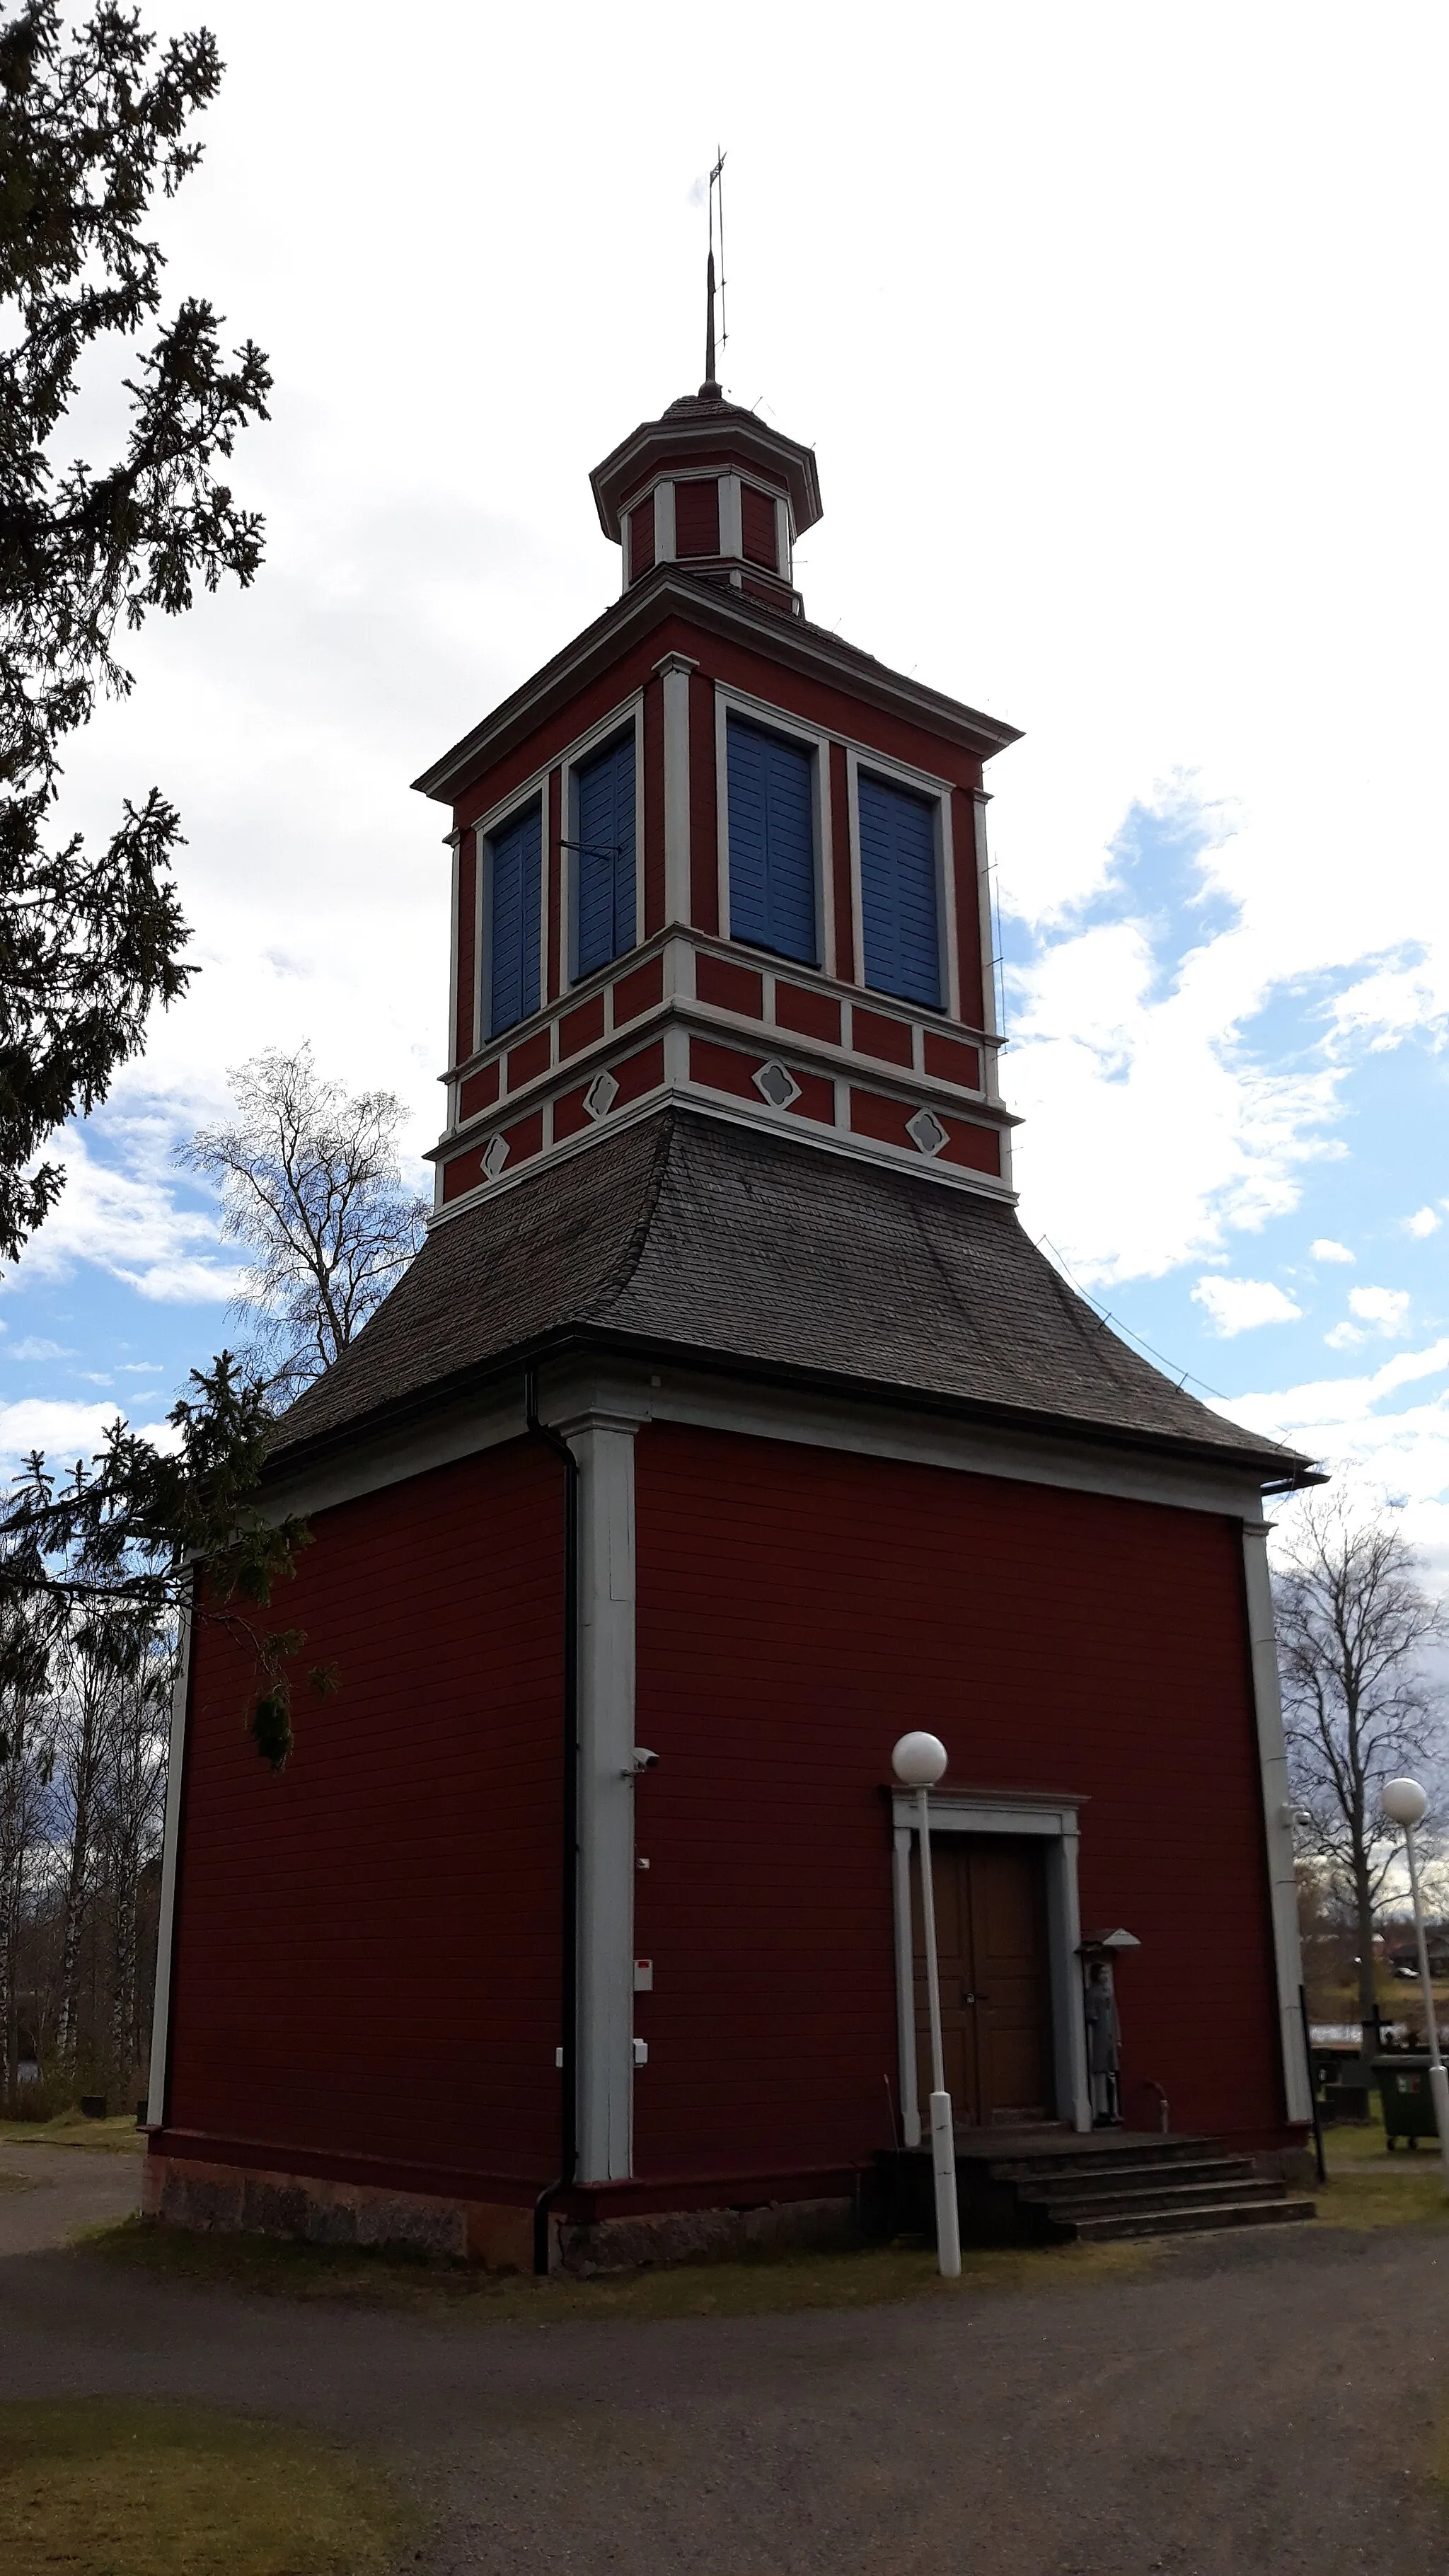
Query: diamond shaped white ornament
(601, 1095)
(927, 1130)
(775, 1083)
(495, 1156)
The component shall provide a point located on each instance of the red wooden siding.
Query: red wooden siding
(950, 1061)
(703, 810)
(971, 967)
(553, 907)
(653, 787)
(479, 1091)
(815, 1015)
(757, 517)
(798, 1609)
(844, 874)
(875, 1034)
(729, 987)
(696, 518)
(641, 991)
(641, 537)
(582, 1027)
(467, 936)
(368, 1954)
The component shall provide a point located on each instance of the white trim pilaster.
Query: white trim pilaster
(604, 1448)
(674, 672)
(165, 1930)
(1273, 1768)
(731, 516)
(905, 1988)
(663, 523)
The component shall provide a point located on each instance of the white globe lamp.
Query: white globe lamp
(919, 1761)
(1404, 1803)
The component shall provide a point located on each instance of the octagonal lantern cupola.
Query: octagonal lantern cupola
(712, 488)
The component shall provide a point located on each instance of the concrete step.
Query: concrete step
(1193, 2218)
(1172, 2151)
(1102, 2204)
(1131, 2177)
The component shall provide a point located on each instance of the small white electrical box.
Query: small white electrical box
(641, 2052)
(643, 1976)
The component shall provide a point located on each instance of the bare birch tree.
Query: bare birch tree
(132, 1802)
(311, 1183)
(25, 1762)
(1354, 1629)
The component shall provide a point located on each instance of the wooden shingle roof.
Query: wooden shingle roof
(694, 1240)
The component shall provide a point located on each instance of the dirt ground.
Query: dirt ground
(1268, 2401)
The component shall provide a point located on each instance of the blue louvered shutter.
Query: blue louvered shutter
(604, 859)
(772, 843)
(898, 892)
(514, 867)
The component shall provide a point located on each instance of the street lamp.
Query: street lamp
(1404, 1803)
(918, 1762)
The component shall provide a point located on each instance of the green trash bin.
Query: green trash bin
(1407, 2100)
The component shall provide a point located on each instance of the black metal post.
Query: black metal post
(1312, 2086)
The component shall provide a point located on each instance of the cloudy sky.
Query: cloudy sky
(1120, 338)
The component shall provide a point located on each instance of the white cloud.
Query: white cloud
(1323, 1248)
(125, 1217)
(1387, 1308)
(1424, 1222)
(1344, 1337)
(34, 1347)
(1373, 1443)
(64, 1431)
(1238, 1305)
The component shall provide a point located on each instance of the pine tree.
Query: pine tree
(93, 128)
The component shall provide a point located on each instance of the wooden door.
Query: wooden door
(991, 1937)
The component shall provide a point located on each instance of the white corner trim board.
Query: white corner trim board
(176, 1761)
(606, 2058)
(1273, 1767)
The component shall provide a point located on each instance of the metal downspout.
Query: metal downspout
(569, 1928)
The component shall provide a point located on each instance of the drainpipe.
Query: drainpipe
(568, 2156)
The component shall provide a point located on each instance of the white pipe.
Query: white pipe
(1438, 2078)
(943, 2126)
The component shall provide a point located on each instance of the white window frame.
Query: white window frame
(535, 791)
(630, 709)
(937, 792)
(771, 719)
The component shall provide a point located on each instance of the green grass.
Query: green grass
(70, 2129)
(111, 2487)
(258, 2266)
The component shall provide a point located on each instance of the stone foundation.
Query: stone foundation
(232, 2200)
(706, 2235)
(235, 2201)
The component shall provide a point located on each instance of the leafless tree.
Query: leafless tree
(1355, 1627)
(311, 1184)
(131, 1804)
(25, 1768)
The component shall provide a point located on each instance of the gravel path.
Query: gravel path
(69, 2187)
(1254, 2403)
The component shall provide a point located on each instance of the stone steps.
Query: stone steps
(1193, 2218)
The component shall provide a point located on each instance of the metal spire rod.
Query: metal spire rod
(710, 388)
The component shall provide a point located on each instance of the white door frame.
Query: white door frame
(1053, 1821)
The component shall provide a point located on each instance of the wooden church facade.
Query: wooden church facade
(727, 1426)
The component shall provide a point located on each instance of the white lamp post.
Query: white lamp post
(918, 1762)
(1404, 1803)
